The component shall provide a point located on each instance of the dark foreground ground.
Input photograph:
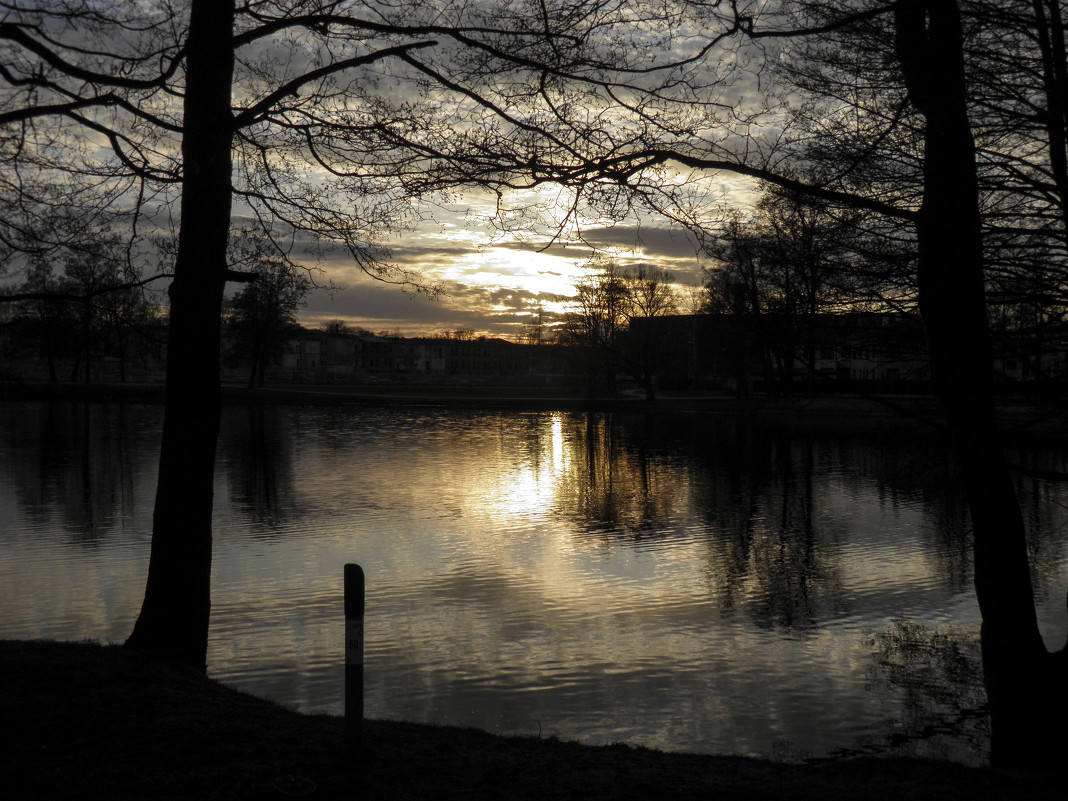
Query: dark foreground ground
(85, 722)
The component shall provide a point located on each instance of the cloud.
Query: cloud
(651, 241)
(493, 284)
(627, 243)
(374, 305)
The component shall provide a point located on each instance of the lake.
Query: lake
(788, 587)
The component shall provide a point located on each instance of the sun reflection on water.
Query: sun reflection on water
(682, 583)
(529, 490)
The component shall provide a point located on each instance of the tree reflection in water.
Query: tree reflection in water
(79, 461)
(940, 673)
(257, 450)
(695, 581)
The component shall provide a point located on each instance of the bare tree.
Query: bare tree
(327, 118)
(92, 296)
(976, 237)
(262, 312)
(535, 332)
(864, 134)
(659, 147)
(339, 328)
(1025, 681)
(595, 325)
(615, 321)
(50, 318)
(778, 271)
(650, 297)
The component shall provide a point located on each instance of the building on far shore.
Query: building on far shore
(732, 353)
(745, 353)
(850, 351)
(740, 354)
(319, 356)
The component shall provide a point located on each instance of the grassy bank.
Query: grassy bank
(85, 721)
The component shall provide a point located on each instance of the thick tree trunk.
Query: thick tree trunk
(87, 344)
(1049, 30)
(174, 616)
(1026, 684)
(253, 370)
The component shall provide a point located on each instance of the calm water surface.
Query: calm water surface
(691, 582)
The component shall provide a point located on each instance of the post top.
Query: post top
(354, 590)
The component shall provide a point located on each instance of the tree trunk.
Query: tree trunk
(87, 343)
(1025, 683)
(175, 613)
(254, 367)
(648, 386)
(1049, 30)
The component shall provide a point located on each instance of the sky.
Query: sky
(493, 283)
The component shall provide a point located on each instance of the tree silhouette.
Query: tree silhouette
(374, 103)
(607, 307)
(669, 143)
(83, 302)
(774, 272)
(262, 312)
(323, 118)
